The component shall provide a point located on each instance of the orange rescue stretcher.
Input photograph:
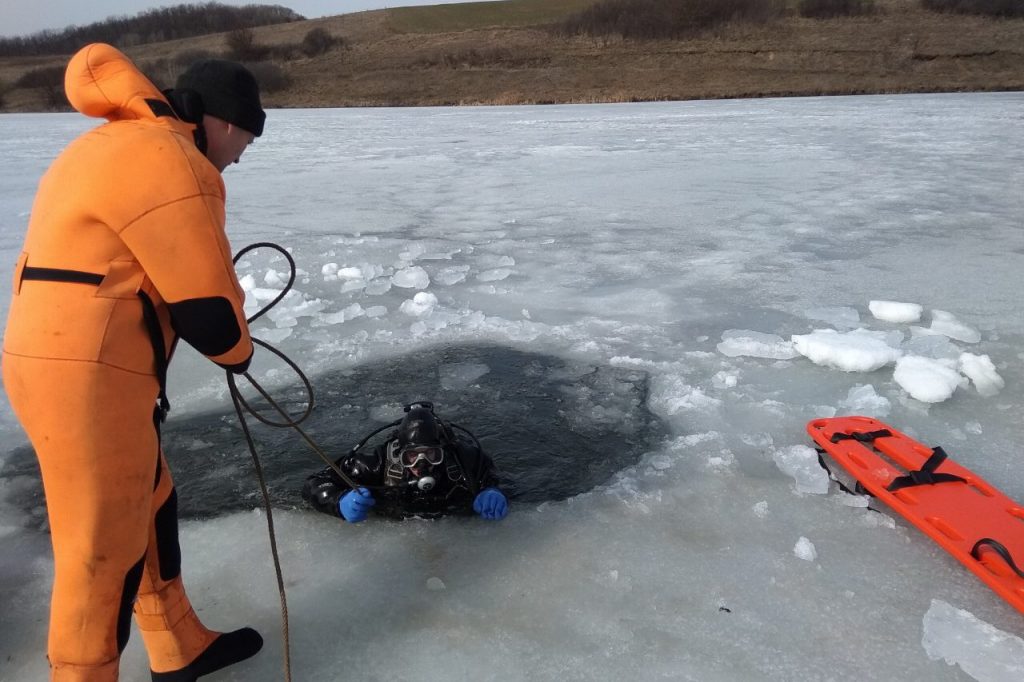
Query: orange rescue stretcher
(968, 517)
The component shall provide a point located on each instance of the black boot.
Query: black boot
(229, 648)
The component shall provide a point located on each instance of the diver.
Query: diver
(423, 469)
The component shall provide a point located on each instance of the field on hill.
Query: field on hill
(506, 53)
(479, 15)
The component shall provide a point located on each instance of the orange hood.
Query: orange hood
(135, 201)
(102, 82)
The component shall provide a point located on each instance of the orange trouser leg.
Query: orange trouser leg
(172, 633)
(113, 517)
(92, 430)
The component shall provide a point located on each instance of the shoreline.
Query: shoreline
(385, 63)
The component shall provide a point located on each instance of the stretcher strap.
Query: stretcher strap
(861, 437)
(999, 549)
(926, 474)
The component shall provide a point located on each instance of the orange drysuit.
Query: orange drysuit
(125, 251)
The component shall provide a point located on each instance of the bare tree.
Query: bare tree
(49, 81)
(991, 8)
(242, 46)
(658, 19)
(166, 23)
(827, 9)
(318, 41)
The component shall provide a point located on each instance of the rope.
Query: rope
(270, 528)
(241, 406)
(239, 403)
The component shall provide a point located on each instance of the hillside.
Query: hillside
(505, 53)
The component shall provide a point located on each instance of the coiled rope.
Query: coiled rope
(241, 406)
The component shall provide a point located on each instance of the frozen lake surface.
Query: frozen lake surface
(638, 308)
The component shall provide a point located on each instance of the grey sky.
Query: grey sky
(22, 17)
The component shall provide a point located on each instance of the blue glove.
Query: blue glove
(491, 504)
(355, 504)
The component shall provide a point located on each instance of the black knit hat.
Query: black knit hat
(229, 92)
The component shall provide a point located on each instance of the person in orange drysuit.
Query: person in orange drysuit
(126, 252)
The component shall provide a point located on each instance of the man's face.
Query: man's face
(419, 460)
(225, 142)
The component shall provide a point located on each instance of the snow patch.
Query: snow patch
(862, 399)
(860, 350)
(981, 650)
(947, 324)
(894, 311)
(804, 549)
(737, 342)
(927, 380)
(413, 277)
(801, 463)
(980, 370)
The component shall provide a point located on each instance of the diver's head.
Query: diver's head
(420, 447)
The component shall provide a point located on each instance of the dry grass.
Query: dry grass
(899, 48)
(477, 15)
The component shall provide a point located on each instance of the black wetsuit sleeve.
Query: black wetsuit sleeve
(324, 489)
(488, 473)
(479, 467)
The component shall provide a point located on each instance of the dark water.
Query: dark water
(555, 428)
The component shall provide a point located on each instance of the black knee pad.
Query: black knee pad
(124, 615)
(168, 550)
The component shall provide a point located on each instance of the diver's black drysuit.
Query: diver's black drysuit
(465, 471)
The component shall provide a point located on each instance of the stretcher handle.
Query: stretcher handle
(999, 549)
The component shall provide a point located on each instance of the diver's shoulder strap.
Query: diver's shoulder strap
(454, 445)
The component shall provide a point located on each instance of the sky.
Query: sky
(682, 285)
(22, 18)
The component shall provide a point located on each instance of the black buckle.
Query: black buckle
(926, 475)
(162, 408)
